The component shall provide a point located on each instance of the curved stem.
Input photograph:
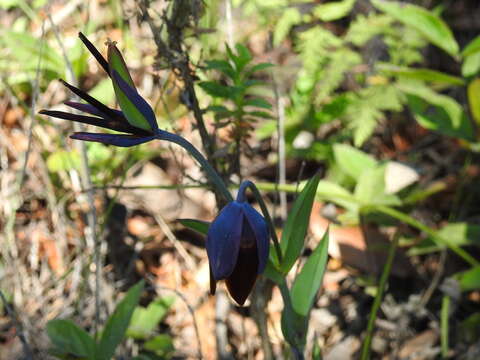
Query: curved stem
(266, 214)
(209, 170)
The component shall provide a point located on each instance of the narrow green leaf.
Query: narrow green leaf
(221, 65)
(71, 339)
(295, 229)
(471, 65)
(472, 47)
(258, 102)
(309, 280)
(437, 112)
(351, 160)
(196, 225)
(244, 56)
(271, 271)
(473, 92)
(259, 67)
(117, 323)
(421, 74)
(432, 27)
(216, 90)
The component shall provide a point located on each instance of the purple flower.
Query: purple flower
(136, 119)
(237, 248)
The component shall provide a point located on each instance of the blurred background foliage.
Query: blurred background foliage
(382, 96)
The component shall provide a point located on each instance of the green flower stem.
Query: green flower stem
(209, 170)
(265, 212)
(378, 299)
(422, 227)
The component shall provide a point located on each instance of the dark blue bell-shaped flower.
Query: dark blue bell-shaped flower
(237, 247)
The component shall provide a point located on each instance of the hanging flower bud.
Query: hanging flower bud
(237, 247)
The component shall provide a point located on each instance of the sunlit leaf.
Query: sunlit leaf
(431, 26)
(309, 280)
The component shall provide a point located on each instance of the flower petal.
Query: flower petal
(94, 102)
(101, 60)
(112, 139)
(90, 109)
(117, 63)
(223, 240)
(241, 280)
(260, 229)
(135, 108)
(96, 121)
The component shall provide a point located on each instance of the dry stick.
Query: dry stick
(18, 326)
(91, 235)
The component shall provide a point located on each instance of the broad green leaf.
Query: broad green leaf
(333, 10)
(160, 345)
(351, 160)
(309, 280)
(370, 188)
(473, 92)
(145, 320)
(460, 234)
(295, 229)
(421, 74)
(103, 91)
(71, 339)
(431, 26)
(470, 279)
(196, 225)
(471, 65)
(437, 112)
(472, 47)
(63, 160)
(337, 194)
(117, 323)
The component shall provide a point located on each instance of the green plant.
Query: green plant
(70, 341)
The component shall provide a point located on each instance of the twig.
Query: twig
(190, 310)
(18, 327)
(91, 235)
(177, 244)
